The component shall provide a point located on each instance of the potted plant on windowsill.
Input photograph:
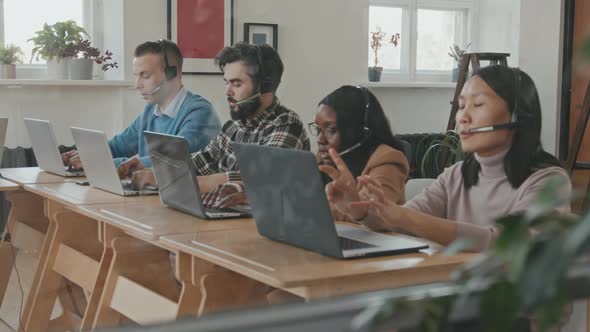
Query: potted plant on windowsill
(50, 44)
(81, 57)
(457, 54)
(377, 39)
(9, 57)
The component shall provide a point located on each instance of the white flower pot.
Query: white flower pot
(57, 69)
(80, 69)
(7, 71)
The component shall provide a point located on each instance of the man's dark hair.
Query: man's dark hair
(526, 155)
(350, 105)
(172, 52)
(272, 66)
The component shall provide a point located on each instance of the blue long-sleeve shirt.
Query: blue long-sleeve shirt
(196, 121)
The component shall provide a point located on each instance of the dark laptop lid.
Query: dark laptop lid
(174, 173)
(286, 192)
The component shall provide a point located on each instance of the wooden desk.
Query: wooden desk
(31, 175)
(108, 245)
(150, 220)
(71, 252)
(301, 272)
(131, 280)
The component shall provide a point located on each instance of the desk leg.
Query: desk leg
(223, 289)
(26, 209)
(73, 250)
(190, 295)
(142, 266)
(7, 253)
(106, 235)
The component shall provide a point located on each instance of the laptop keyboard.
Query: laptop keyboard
(348, 244)
(213, 210)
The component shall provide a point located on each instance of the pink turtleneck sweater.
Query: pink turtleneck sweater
(476, 208)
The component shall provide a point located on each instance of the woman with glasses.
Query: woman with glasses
(350, 121)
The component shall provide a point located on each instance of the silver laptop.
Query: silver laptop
(286, 192)
(177, 179)
(46, 148)
(99, 166)
(3, 128)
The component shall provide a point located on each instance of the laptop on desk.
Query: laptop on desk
(46, 148)
(177, 179)
(99, 166)
(288, 201)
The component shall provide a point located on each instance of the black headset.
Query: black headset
(170, 72)
(365, 128)
(515, 109)
(264, 81)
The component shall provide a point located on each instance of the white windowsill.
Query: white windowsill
(446, 85)
(33, 82)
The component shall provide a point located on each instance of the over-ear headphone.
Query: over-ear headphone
(264, 81)
(365, 128)
(515, 108)
(367, 101)
(170, 72)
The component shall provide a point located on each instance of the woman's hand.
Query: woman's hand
(382, 214)
(343, 189)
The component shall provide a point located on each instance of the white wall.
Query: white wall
(322, 49)
(91, 107)
(499, 28)
(540, 56)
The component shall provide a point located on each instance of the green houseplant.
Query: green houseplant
(377, 38)
(456, 53)
(10, 55)
(435, 152)
(81, 56)
(51, 42)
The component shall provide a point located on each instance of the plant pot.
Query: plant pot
(7, 71)
(80, 69)
(455, 74)
(375, 74)
(57, 69)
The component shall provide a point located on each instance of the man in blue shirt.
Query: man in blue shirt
(171, 109)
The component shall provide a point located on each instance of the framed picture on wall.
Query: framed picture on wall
(262, 33)
(201, 29)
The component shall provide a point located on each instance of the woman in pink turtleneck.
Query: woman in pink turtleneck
(502, 173)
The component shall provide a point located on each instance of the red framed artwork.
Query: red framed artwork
(200, 28)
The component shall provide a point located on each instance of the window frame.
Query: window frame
(408, 63)
(92, 22)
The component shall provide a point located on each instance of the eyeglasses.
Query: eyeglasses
(328, 131)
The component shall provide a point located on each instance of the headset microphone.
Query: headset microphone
(155, 90)
(485, 129)
(256, 95)
(352, 148)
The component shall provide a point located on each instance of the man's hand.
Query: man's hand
(127, 168)
(225, 195)
(72, 159)
(143, 178)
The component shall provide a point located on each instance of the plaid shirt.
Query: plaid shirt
(276, 126)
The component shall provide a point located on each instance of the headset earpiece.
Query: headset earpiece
(170, 72)
(365, 128)
(515, 107)
(265, 82)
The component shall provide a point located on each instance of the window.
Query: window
(18, 24)
(427, 29)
